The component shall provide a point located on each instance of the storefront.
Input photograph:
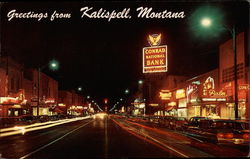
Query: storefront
(205, 98)
(13, 106)
(228, 109)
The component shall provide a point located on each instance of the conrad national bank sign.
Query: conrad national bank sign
(155, 56)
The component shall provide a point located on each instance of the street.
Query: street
(107, 137)
(86, 138)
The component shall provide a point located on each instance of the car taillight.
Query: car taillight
(220, 135)
(246, 136)
(229, 135)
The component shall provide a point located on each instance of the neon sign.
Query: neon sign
(244, 87)
(180, 93)
(154, 39)
(155, 59)
(165, 95)
(191, 89)
(209, 89)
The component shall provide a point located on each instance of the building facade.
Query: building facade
(226, 75)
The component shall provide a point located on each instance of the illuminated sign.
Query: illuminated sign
(61, 104)
(105, 100)
(155, 59)
(196, 82)
(209, 89)
(165, 95)
(141, 105)
(191, 89)
(244, 87)
(172, 104)
(154, 39)
(153, 105)
(228, 86)
(213, 99)
(208, 84)
(180, 93)
(182, 103)
(50, 100)
(9, 100)
(79, 107)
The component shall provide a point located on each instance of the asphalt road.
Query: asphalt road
(98, 138)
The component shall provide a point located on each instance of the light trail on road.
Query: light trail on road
(152, 140)
(41, 148)
(37, 126)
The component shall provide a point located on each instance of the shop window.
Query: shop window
(197, 110)
(16, 113)
(9, 112)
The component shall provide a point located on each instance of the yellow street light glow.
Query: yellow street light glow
(206, 22)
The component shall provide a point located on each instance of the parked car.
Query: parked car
(165, 121)
(177, 123)
(220, 131)
(44, 118)
(25, 120)
(244, 125)
(8, 121)
(154, 119)
(193, 122)
(243, 128)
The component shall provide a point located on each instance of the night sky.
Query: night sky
(105, 57)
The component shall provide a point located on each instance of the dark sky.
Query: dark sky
(105, 57)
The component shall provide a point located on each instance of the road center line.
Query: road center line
(39, 149)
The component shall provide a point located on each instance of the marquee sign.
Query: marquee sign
(155, 59)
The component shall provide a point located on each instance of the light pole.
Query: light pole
(233, 32)
(53, 65)
(207, 22)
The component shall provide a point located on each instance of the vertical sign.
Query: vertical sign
(155, 59)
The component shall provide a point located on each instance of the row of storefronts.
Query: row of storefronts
(19, 93)
(210, 94)
(202, 96)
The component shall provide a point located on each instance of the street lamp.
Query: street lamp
(53, 65)
(206, 22)
(140, 82)
(79, 88)
(211, 19)
(126, 91)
